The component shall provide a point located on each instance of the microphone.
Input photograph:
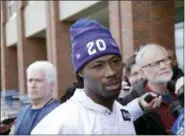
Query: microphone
(138, 90)
(149, 98)
(175, 108)
(8, 119)
(171, 86)
(179, 98)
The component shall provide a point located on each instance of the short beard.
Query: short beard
(162, 80)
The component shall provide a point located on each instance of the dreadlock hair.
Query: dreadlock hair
(70, 91)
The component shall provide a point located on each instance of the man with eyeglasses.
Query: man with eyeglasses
(145, 125)
(155, 64)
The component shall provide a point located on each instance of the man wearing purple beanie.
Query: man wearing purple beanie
(94, 109)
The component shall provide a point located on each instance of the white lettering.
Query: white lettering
(100, 45)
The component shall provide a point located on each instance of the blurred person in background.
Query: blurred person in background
(41, 84)
(156, 66)
(146, 124)
(131, 74)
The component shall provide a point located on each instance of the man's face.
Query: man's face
(103, 76)
(135, 74)
(38, 86)
(158, 67)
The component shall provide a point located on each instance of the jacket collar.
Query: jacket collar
(88, 103)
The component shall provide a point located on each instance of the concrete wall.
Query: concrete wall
(35, 17)
(11, 30)
(70, 8)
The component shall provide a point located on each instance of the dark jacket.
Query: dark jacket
(177, 73)
(150, 123)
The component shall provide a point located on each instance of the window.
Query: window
(179, 45)
(179, 32)
(11, 8)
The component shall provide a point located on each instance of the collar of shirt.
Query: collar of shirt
(88, 103)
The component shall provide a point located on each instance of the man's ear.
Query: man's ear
(52, 85)
(81, 73)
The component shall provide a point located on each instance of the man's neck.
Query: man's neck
(159, 88)
(106, 102)
(37, 104)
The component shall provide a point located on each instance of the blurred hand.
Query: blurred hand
(155, 103)
(5, 128)
(179, 84)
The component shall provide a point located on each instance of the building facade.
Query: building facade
(39, 30)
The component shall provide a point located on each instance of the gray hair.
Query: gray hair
(148, 50)
(48, 69)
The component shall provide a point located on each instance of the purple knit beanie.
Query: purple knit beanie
(90, 40)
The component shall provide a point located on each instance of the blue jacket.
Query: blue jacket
(20, 124)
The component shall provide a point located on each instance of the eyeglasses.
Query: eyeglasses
(157, 63)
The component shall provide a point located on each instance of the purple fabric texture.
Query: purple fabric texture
(90, 40)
